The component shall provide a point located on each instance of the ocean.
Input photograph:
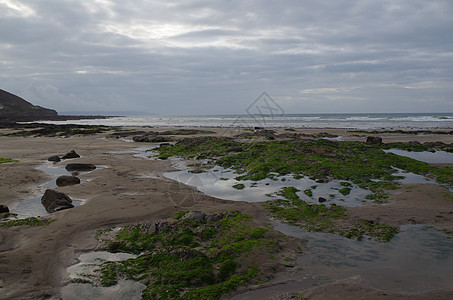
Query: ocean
(404, 121)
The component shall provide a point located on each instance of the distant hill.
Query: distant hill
(14, 108)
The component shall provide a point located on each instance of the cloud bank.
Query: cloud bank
(216, 57)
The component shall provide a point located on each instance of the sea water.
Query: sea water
(409, 121)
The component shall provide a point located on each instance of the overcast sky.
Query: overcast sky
(217, 57)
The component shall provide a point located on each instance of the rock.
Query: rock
(54, 201)
(195, 215)
(322, 199)
(67, 180)
(150, 139)
(54, 158)
(4, 208)
(71, 154)
(214, 218)
(374, 140)
(80, 167)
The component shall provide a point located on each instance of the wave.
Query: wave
(349, 121)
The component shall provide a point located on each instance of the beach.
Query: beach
(128, 188)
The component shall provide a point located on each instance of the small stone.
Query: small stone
(374, 140)
(80, 167)
(4, 208)
(67, 180)
(322, 199)
(71, 154)
(54, 158)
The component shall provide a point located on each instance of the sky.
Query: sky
(216, 57)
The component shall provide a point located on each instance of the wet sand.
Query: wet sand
(130, 189)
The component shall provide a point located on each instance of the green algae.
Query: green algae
(32, 221)
(189, 259)
(6, 160)
(367, 166)
(239, 186)
(318, 217)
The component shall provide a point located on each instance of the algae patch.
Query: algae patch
(314, 217)
(194, 258)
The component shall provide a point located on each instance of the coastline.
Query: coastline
(131, 189)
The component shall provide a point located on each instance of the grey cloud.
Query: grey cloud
(214, 56)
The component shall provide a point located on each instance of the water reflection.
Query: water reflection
(418, 259)
(32, 207)
(218, 182)
(437, 157)
(86, 269)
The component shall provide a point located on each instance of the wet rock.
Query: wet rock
(80, 167)
(195, 215)
(214, 218)
(322, 199)
(55, 201)
(4, 208)
(67, 180)
(374, 140)
(54, 158)
(71, 154)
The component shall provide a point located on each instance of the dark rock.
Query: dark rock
(54, 201)
(322, 199)
(195, 215)
(67, 180)
(71, 154)
(80, 167)
(4, 208)
(150, 139)
(164, 145)
(374, 140)
(54, 158)
(214, 218)
(283, 179)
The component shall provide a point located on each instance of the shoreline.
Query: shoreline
(131, 189)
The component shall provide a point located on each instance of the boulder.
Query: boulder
(322, 199)
(80, 167)
(374, 140)
(4, 208)
(71, 154)
(54, 158)
(54, 201)
(195, 215)
(67, 180)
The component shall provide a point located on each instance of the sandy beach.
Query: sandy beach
(129, 188)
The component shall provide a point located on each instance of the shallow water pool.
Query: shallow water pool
(32, 207)
(86, 268)
(417, 259)
(437, 157)
(219, 182)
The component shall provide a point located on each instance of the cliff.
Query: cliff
(14, 108)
